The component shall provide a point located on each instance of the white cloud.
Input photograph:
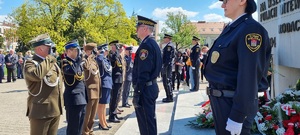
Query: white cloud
(216, 5)
(3, 17)
(215, 18)
(162, 12)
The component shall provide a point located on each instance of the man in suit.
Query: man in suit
(2, 62)
(75, 92)
(117, 77)
(43, 79)
(92, 83)
(11, 60)
(195, 60)
(146, 68)
(128, 77)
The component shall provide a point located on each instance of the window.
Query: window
(212, 29)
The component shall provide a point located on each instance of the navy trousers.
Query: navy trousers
(196, 78)
(167, 81)
(1, 74)
(125, 94)
(75, 118)
(221, 107)
(113, 104)
(146, 113)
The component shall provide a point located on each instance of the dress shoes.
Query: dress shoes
(103, 128)
(127, 106)
(109, 126)
(167, 100)
(114, 120)
(119, 118)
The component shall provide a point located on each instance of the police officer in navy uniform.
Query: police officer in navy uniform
(106, 85)
(195, 59)
(168, 61)
(117, 77)
(146, 68)
(75, 92)
(236, 69)
(128, 77)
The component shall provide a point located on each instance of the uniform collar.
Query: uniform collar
(68, 58)
(145, 38)
(240, 19)
(38, 57)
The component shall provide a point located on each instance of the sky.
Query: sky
(196, 10)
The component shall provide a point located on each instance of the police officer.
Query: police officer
(236, 68)
(146, 68)
(195, 60)
(117, 77)
(168, 61)
(128, 77)
(75, 92)
(106, 85)
(43, 79)
(92, 83)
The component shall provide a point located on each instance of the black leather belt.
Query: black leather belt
(151, 82)
(219, 93)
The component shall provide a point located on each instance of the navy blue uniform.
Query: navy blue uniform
(237, 63)
(203, 61)
(106, 79)
(75, 98)
(147, 66)
(195, 59)
(117, 77)
(128, 80)
(168, 60)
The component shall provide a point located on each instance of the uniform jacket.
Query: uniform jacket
(128, 70)
(195, 55)
(168, 55)
(44, 100)
(105, 71)
(244, 53)
(116, 63)
(147, 63)
(13, 59)
(75, 92)
(92, 77)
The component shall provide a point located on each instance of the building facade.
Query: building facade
(10, 42)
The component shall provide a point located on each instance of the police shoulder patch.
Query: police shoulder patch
(253, 41)
(197, 49)
(143, 54)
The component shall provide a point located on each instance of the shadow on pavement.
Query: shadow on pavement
(14, 91)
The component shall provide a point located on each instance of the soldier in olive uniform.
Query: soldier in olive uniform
(92, 82)
(43, 79)
(75, 92)
(117, 77)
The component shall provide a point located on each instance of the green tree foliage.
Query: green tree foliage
(181, 28)
(98, 21)
(1, 42)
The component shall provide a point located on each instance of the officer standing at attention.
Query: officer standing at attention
(236, 66)
(43, 79)
(75, 92)
(146, 68)
(168, 61)
(195, 60)
(117, 77)
(92, 83)
(106, 85)
(128, 77)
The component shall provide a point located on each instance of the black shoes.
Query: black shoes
(119, 118)
(103, 128)
(114, 120)
(126, 105)
(167, 100)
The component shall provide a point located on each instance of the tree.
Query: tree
(181, 28)
(1, 41)
(97, 20)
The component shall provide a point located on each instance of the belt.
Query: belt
(151, 82)
(219, 93)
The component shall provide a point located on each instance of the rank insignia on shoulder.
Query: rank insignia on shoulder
(169, 48)
(143, 54)
(197, 50)
(253, 41)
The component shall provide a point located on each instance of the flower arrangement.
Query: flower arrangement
(204, 119)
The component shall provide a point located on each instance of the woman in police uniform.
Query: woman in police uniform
(236, 68)
(106, 85)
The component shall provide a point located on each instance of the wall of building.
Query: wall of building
(281, 19)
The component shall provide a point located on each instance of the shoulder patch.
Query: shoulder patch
(253, 41)
(197, 49)
(169, 48)
(143, 54)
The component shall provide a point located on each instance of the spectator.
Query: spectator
(2, 62)
(176, 74)
(204, 50)
(20, 64)
(11, 60)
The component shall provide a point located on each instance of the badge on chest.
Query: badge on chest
(214, 57)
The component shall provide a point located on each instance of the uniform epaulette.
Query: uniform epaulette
(31, 60)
